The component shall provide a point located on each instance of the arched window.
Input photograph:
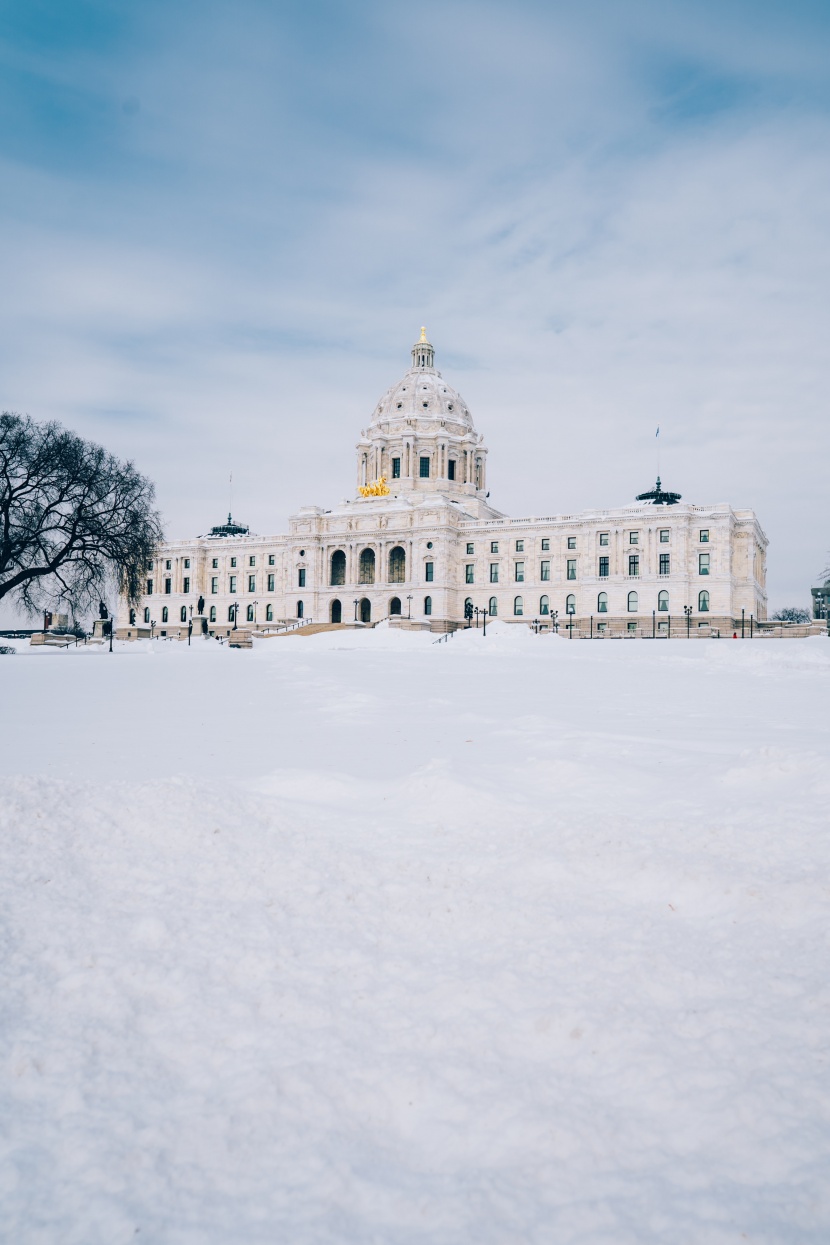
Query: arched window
(231, 613)
(633, 602)
(132, 618)
(269, 613)
(493, 607)
(663, 601)
(468, 607)
(365, 610)
(544, 605)
(212, 615)
(395, 605)
(366, 567)
(183, 614)
(518, 606)
(336, 612)
(146, 613)
(602, 603)
(250, 613)
(570, 604)
(165, 614)
(300, 609)
(338, 567)
(397, 565)
(703, 602)
(427, 605)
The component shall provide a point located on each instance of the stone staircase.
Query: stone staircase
(310, 629)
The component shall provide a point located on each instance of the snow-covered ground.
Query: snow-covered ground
(363, 938)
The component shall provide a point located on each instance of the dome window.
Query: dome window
(400, 404)
(426, 404)
(449, 406)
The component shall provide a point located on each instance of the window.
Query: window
(704, 538)
(250, 613)
(231, 611)
(494, 572)
(427, 605)
(338, 567)
(545, 544)
(215, 564)
(252, 583)
(518, 606)
(396, 469)
(212, 614)
(168, 565)
(602, 603)
(493, 607)
(300, 577)
(665, 563)
(544, 573)
(271, 559)
(603, 626)
(150, 565)
(232, 583)
(633, 603)
(300, 609)
(429, 571)
(570, 604)
(634, 565)
(703, 563)
(168, 587)
(270, 583)
(183, 614)
(663, 602)
(520, 572)
(603, 538)
(132, 618)
(214, 585)
(603, 568)
(470, 573)
(165, 614)
(252, 560)
(470, 548)
(366, 567)
(269, 613)
(494, 546)
(451, 469)
(632, 626)
(146, 613)
(520, 546)
(149, 587)
(468, 607)
(424, 468)
(544, 605)
(233, 561)
(187, 564)
(186, 584)
(571, 568)
(571, 542)
(703, 602)
(664, 535)
(633, 538)
(397, 565)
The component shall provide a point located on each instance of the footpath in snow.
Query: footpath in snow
(362, 938)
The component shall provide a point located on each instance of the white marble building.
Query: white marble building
(433, 543)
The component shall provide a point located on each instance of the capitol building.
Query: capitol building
(420, 544)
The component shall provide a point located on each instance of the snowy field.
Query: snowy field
(363, 938)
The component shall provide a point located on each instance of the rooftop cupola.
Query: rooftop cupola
(423, 354)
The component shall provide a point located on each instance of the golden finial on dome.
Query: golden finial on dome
(423, 334)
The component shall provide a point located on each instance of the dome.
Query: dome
(422, 395)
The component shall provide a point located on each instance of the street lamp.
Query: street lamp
(554, 621)
(356, 603)
(235, 613)
(743, 621)
(687, 610)
(570, 610)
(255, 604)
(409, 607)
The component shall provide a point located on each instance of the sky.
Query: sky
(222, 226)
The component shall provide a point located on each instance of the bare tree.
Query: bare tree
(73, 519)
(791, 614)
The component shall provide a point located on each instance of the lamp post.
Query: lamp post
(687, 610)
(235, 613)
(111, 620)
(409, 606)
(152, 627)
(570, 609)
(743, 621)
(356, 603)
(554, 621)
(255, 604)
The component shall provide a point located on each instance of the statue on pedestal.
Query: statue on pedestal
(200, 605)
(103, 612)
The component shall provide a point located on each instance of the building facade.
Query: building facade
(421, 541)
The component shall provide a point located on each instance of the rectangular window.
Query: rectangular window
(270, 583)
(214, 585)
(252, 583)
(187, 564)
(271, 559)
(633, 538)
(252, 560)
(603, 568)
(429, 571)
(520, 572)
(300, 577)
(424, 469)
(703, 563)
(186, 584)
(571, 542)
(545, 573)
(704, 536)
(233, 561)
(451, 469)
(215, 564)
(469, 573)
(494, 572)
(494, 546)
(396, 469)
(664, 535)
(665, 563)
(571, 568)
(634, 564)
(149, 587)
(470, 549)
(603, 538)
(520, 546)
(632, 626)
(545, 544)
(232, 584)
(168, 564)
(168, 586)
